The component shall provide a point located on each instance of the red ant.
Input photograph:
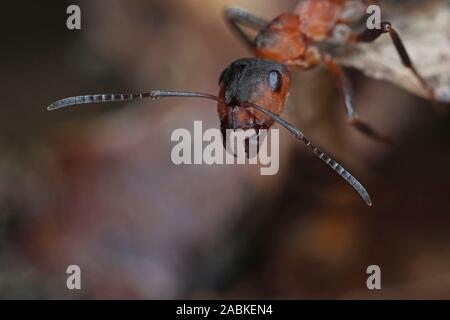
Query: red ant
(296, 40)
(253, 91)
(252, 94)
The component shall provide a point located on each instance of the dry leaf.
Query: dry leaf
(424, 27)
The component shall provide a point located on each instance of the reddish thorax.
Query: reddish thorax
(287, 38)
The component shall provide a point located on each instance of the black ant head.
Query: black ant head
(256, 81)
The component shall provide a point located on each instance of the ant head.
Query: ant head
(281, 40)
(262, 82)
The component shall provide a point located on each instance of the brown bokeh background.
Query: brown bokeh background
(94, 185)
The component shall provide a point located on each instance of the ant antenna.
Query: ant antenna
(297, 133)
(123, 97)
(319, 153)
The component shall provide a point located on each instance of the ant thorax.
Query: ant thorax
(281, 40)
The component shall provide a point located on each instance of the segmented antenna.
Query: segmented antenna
(320, 154)
(122, 97)
(97, 98)
(101, 98)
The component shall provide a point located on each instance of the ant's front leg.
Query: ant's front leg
(370, 35)
(237, 18)
(345, 88)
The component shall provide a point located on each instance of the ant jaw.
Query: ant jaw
(252, 140)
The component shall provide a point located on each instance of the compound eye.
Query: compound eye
(275, 80)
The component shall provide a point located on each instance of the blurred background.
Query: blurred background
(94, 185)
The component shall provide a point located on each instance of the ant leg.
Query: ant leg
(344, 86)
(369, 35)
(237, 17)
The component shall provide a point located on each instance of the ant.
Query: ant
(297, 40)
(252, 95)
